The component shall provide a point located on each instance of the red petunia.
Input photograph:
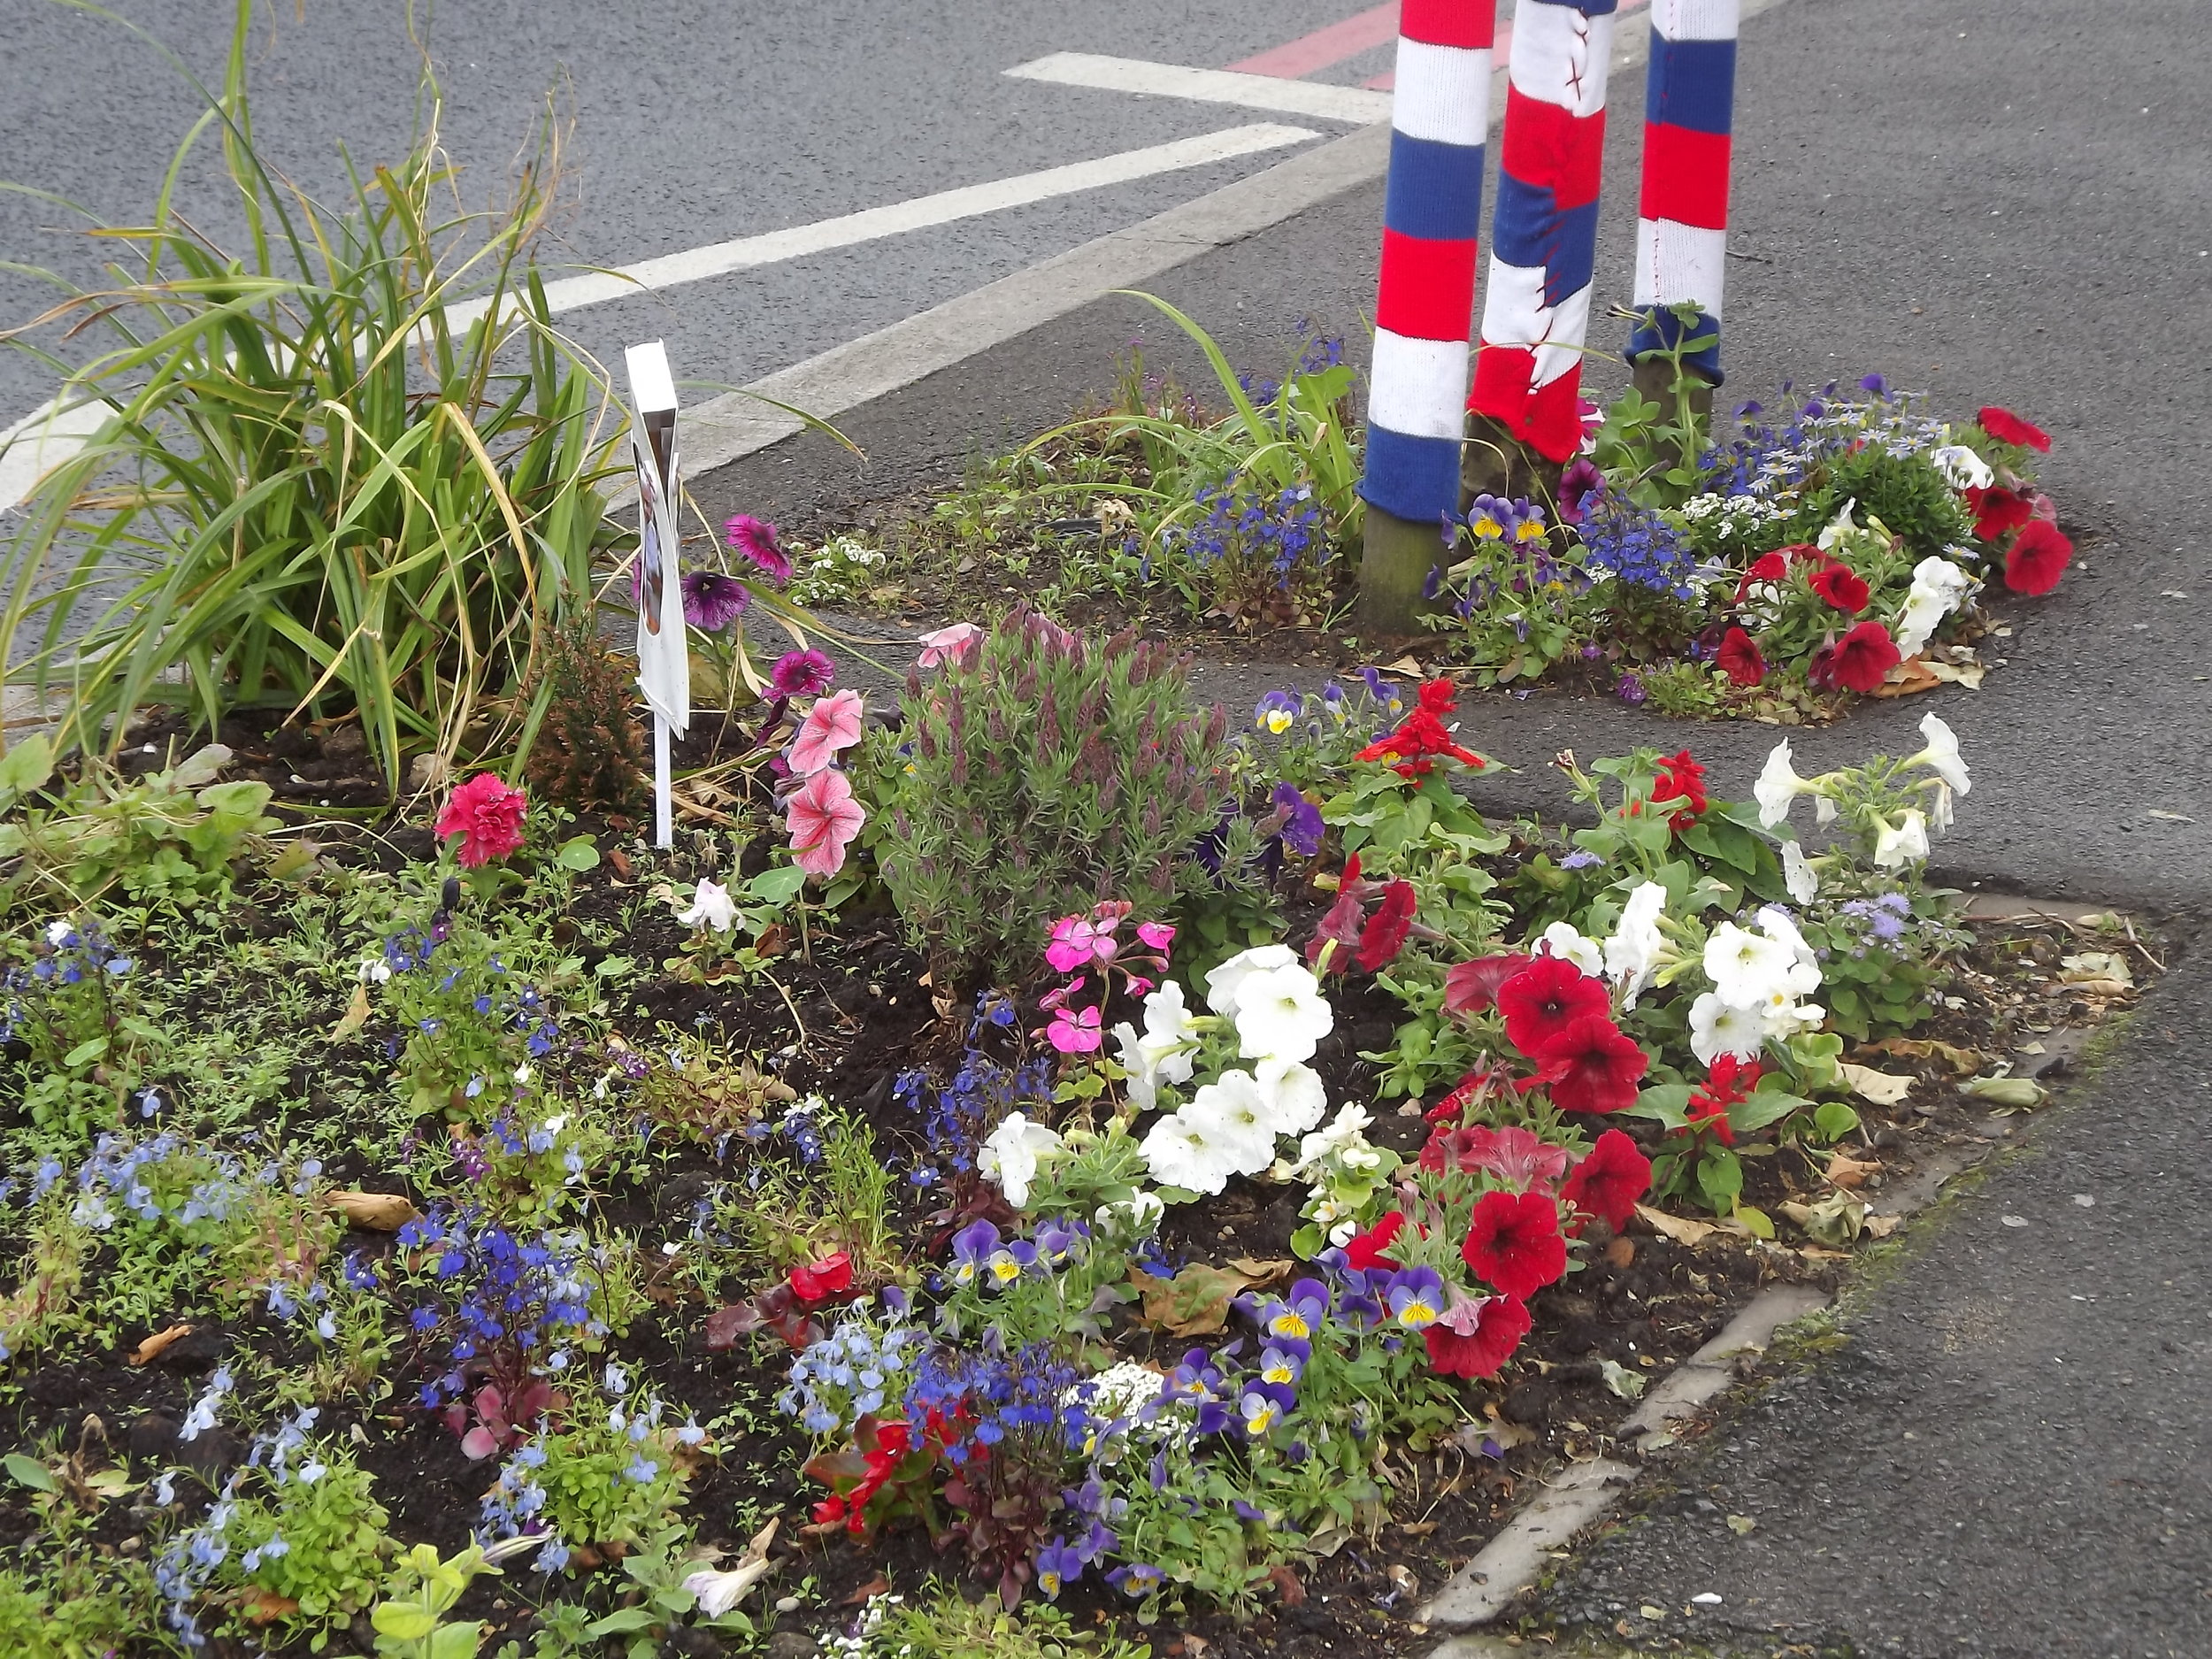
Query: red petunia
(1499, 1325)
(1841, 587)
(1863, 657)
(487, 817)
(1472, 986)
(1385, 935)
(1421, 735)
(1366, 1251)
(1998, 512)
(1681, 779)
(2037, 558)
(1514, 1242)
(832, 1276)
(1546, 997)
(1610, 1180)
(1739, 658)
(2007, 427)
(1772, 568)
(1593, 1066)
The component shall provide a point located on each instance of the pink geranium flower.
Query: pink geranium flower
(1077, 939)
(1074, 1030)
(1159, 935)
(953, 644)
(487, 814)
(822, 818)
(832, 726)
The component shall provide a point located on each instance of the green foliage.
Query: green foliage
(1684, 689)
(1906, 492)
(65, 1598)
(1048, 771)
(333, 1529)
(591, 754)
(321, 489)
(945, 1625)
(841, 570)
(802, 1212)
(593, 1494)
(409, 1622)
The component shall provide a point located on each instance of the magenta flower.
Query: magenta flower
(802, 674)
(1075, 1031)
(713, 601)
(822, 816)
(955, 644)
(1159, 935)
(1077, 939)
(831, 727)
(755, 539)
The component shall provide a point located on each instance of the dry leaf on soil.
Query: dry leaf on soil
(1195, 1302)
(1883, 1089)
(357, 1016)
(1959, 1061)
(1681, 1229)
(375, 1212)
(152, 1347)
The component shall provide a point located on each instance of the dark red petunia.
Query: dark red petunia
(1336, 936)
(1998, 512)
(1514, 1242)
(1472, 986)
(1610, 1180)
(2037, 558)
(1843, 588)
(1681, 779)
(1366, 1251)
(1422, 735)
(1739, 658)
(1772, 568)
(1499, 1328)
(1593, 1066)
(1863, 657)
(1545, 998)
(2007, 427)
(1385, 935)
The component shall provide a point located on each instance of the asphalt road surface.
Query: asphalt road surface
(688, 125)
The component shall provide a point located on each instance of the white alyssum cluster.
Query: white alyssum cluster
(1761, 977)
(1230, 1126)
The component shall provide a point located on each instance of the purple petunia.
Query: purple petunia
(755, 539)
(1303, 827)
(802, 674)
(713, 601)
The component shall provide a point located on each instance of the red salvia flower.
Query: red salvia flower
(1739, 658)
(1500, 1324)
(1514, 1242)
(1593, 1066)
(2007, 427)
(1683, 780)
(1998, 512)
(1610, 1181)
(1841, 587)
(1385, 935)
(1421, 735)
(2037, 558)
(1863, 657)
(1472, 986)
(1546, 997)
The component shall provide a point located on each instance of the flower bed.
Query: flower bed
(1175, 1185)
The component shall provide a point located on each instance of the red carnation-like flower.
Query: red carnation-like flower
(1472, 986)
(1610, 1180)
(1593, 1066)
(488, 816)
(1998, 512)
(1841, 587)
(1422, 735)
(1385, 935)
(1514, 1242)
(1544, 999)
(1366, 1251)
(1863, 657)
(1500, 1324)
(1739, 658)
(1681, 779)
(2037, 558)
(2007, 427)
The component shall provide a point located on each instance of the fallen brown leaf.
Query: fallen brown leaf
(1959, 1061)
(375, 1212)
(620, 860)
(877, 1585)
(1681, 1229)
(151, 1349)
(1845, 1170)
(1907, 678)
(266, 1607)
(1288, 1585)
(355, 1017)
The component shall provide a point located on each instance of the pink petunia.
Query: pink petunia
(1074, 1031)
(831, 725)
(954, 644)
(822, 818)
(488, 816)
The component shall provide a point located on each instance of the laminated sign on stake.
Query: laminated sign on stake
(664, 652)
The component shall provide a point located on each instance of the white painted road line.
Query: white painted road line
(721, 259)
(1209, 86)
(49, 435)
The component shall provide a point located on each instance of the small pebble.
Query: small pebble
(788, 1604)
(2085, 1201)
(2014, 1221)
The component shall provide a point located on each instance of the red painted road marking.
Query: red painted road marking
(1296, 59)
(1387, 80)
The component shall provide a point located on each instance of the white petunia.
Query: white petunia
(1235, 1117)
(1938, 587)
(1775, 922)
(1797, 874)
(1717, 1028)
(1222, 983)
(1941, 757)
(1163, 1053)
(712, 906)
(1836, 529)
(1179, 1153)
(1961, 467)
(1564, 940)
(1779, 785)
(1939, 808)
(718, 1591)
(1296, 1098)
(1133, 1217)
(1904, 842)
(1745, 966)
(1011, 1153)
(1281, 1014)
(1631, 954)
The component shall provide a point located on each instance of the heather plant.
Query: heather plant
(1040, 773)
(590, 754)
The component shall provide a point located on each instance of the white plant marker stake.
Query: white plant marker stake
(664, 652)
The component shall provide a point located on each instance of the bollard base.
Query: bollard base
(1395, 560)
(1495, 463)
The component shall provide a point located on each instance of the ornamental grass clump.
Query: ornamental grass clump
(1040, 773)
